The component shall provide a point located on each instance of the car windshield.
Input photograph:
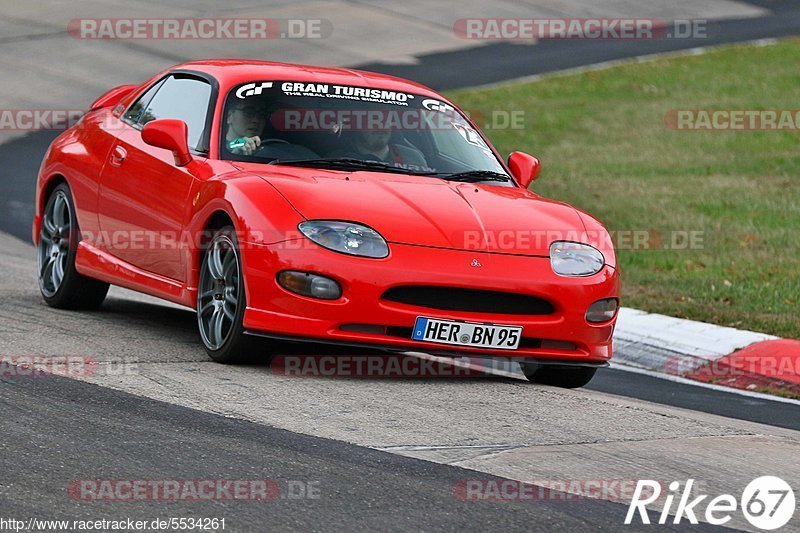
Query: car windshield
(346, 127)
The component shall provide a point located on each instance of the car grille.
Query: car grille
(469, 300)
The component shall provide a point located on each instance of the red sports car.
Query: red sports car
(326, 205)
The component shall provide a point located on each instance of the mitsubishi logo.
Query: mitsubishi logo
(475, 263)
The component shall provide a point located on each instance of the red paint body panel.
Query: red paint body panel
(431, 212)
(134, 204)
(113, 97)
(363, 281)
(143, 219)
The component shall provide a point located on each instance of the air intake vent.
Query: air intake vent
(470, 300)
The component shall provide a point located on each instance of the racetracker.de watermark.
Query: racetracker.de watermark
(71, 366)
(368, 366)
(192, 490)
(402, 119)
(528, 29)
(500, 490)
(624, 239)
(782, 366)
(733, 119)
(510, 240)
(324, 120)
(39, 119)
(199, 28)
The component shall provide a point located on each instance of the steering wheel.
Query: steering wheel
(265, 142)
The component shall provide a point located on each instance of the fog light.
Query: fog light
(602, 310)
(309, 284)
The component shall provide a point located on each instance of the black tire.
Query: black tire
(58, 245)
(233, 346)
(568, 377)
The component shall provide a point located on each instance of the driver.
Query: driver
(246, 120)
(374, 145)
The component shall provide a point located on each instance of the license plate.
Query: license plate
(467, 333)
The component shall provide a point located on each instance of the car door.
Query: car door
(144, 197)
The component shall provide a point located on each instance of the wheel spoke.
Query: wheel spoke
(47, 265)
(214, 262)
(230, 295)
(206, 306)
(60, 217)
(48, 224)
(216, 325)
(205, 295)
(56, 273)
(229, 313)
(229, 264)
(62, 261)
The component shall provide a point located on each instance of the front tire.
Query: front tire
(568, 377)
(61, 285)
(221, 301)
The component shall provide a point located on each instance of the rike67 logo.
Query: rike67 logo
(767, 502)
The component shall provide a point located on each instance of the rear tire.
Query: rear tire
(221, 302)
(568, 377)
(61, 285)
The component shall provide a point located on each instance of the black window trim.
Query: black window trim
(203, 146)
(124, 117)
(226, 156)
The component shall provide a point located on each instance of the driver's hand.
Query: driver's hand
(251, 144)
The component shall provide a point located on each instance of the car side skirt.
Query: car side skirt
(98, 264)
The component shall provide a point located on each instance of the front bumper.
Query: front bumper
(563, 335)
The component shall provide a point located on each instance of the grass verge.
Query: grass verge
(604, 147)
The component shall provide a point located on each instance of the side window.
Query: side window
(186, 99)
(135, 112)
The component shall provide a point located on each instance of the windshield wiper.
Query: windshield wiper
(476, 176)
(347, 163)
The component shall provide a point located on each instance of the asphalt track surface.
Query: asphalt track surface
(384, 453)
(185, 418)
(79, 428)
(687, 396)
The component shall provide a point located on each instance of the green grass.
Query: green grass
(782, 393)
(605, 149)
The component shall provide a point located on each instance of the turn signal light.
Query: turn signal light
(309, 284)
(602, 310)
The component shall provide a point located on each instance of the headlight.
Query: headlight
(574, 259)
(346, 237)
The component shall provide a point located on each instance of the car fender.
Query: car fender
(598, 236)
(261, 216)
(77, 156)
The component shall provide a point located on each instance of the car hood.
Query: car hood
(425, 211)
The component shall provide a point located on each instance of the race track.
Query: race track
(384, 454)
(156, 408)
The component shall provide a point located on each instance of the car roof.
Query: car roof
(229, 72)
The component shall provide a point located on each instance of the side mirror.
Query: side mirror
(524, 167)
(169, 134)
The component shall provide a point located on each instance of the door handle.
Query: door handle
(118, 156)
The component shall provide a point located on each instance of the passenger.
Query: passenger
(374, 145)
